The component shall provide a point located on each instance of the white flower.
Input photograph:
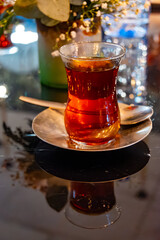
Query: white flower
(98, 13)
(73, 34)
(55, 53)
(84, 3)
(7, 2)
(104, 5)
(62, 36)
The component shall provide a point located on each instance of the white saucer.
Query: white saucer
(49, 127)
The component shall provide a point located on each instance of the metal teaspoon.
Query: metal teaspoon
(130, 114)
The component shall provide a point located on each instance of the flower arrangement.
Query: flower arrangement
(75, 13)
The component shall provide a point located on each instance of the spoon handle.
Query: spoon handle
(43, 103)
(55, 105)
(130, 114)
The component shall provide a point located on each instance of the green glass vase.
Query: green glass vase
(51, 68)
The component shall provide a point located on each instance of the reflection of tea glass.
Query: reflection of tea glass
(92, 114)
(92, 205)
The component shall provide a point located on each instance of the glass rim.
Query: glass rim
(93, 58)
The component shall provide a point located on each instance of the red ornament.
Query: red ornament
(4, 41)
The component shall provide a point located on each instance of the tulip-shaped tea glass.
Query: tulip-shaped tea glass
(92, 115)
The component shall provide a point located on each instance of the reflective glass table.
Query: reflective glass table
(51, 193)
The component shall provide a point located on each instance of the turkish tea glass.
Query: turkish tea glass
(92, 115)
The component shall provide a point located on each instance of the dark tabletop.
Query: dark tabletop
(37, 180)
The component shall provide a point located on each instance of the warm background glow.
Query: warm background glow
(155, 1)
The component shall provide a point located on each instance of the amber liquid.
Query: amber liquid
(92, 198)
(92, 114)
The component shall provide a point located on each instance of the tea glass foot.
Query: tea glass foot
(92, 221)
(90, 146)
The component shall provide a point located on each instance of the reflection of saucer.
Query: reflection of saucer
(92, 166)
(49, 126)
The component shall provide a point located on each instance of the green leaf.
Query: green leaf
(76, 2)
(1, 31)
(5, 19)
(27, 8)
(55, 9)
(48, 21)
